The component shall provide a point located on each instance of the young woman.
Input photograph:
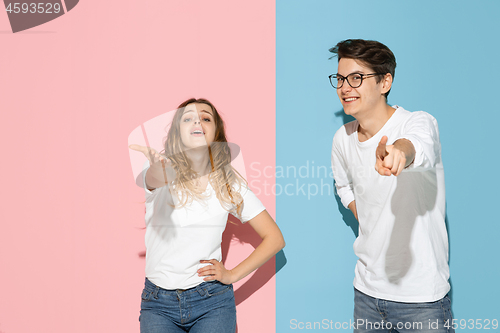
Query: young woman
(190, 189)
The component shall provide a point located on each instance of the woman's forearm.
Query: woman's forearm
(156, 176)
(270, 245)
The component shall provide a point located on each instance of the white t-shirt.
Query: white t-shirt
(402, 244)
(178, 238)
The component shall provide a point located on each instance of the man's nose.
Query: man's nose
(346, 87)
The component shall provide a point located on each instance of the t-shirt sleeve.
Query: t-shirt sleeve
(422, 131)
(251, 205)
(343, 184)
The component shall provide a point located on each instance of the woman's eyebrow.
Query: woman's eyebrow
(187, 111)
(205, 111)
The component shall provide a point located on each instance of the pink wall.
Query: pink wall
(71, 91)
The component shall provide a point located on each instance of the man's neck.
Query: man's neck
(370, 125)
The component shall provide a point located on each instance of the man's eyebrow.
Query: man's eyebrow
(355, 72)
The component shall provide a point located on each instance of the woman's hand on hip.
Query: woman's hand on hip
(215, 271)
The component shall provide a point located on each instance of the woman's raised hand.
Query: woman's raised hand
(151, 154)
(160, 171)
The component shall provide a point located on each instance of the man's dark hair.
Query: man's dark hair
(374, 54)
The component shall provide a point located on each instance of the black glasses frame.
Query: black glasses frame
(344, 78)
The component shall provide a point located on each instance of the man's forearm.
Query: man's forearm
(407, 148)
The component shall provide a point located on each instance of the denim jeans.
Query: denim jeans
(208, 308)
(378, 315)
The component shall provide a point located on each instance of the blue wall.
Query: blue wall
(448, 58)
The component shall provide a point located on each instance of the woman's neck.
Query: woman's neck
(200, 160)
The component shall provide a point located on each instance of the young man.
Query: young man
(388, 171)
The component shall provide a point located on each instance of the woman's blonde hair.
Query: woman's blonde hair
(225, 180)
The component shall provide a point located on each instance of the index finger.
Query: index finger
(381, 151)
(211, 261)
(383, 141)
(140, 148)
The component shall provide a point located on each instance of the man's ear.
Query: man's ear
(386, 83)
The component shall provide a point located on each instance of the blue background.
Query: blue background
(448, 59)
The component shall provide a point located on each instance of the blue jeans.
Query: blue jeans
(378, 315)
(206, 308)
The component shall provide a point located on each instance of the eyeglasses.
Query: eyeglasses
(353, 79)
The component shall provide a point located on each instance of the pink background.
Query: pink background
(71, 91)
